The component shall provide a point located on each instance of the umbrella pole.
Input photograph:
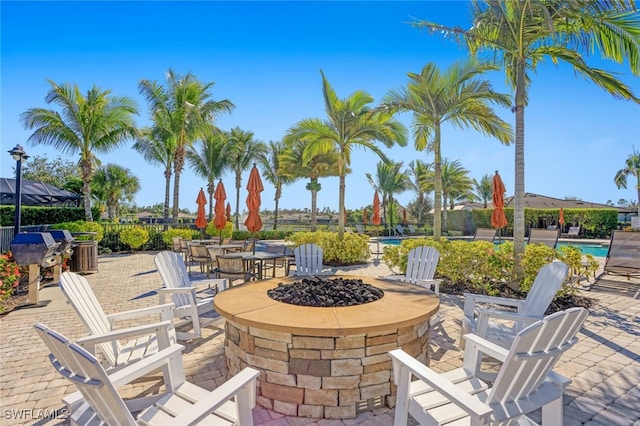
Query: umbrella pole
(254, 243)
(377, 243)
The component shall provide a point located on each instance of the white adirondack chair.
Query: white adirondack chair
(141, 341)
(524, 383)
(421, 267)
(189, 309)
(308, 259)
(183, 403)
(501, 326)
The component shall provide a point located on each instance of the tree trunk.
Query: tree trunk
(518, 210)
(167, 198)
(275, 213)
(178, 163)
(85, 166)
(437, 185)
(211, 189)
(314, 202)
(341, 206)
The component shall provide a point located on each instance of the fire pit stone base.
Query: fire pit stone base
(322, 377)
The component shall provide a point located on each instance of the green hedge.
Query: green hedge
(44, 215)
(484, 266)
(351, 249)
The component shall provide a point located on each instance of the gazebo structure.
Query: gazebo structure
(37, 193)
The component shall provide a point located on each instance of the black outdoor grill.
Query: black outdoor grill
(65, 248)
(34, 249)
(65, 239)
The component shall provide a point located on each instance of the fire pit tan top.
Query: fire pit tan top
(402, 305)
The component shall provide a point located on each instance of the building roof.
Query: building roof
(36, 193)
(537, 201)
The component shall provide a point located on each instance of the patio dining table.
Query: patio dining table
(258, 259)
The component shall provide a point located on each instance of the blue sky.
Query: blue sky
(265, 57)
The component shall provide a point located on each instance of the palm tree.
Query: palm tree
(632, 168)
(350, 123)
(271, 171)
(390, 180)
(95, 123)
(455, 182)
(185, 107)
(243, 151)
(458, 97)
(322, 165)
(113, 184)
(157, 146)
(483, 189)
(419, 209)
(519, 35)
(208, 160)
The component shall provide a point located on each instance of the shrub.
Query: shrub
(352, 248)
(184, 233)
(9, 275)
(212, 231)
(135, 237)
(82, 226)
(482, 265)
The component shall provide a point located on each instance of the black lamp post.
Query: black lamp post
(19, 155)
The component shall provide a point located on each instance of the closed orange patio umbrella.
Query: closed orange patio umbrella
(364, 217)
(498, 218)
(228, 212)
(254, 186)
(404, 216)
(220, 220)
(201, 220)
(561, 219)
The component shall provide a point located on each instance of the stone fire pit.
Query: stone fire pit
(324, 362)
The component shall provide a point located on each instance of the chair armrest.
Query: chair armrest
(163, 330)
(136, 370)
(187, 291)
(484, 315)
(396, 277)
(470, 300)
(164, 310)
(405, 365)
(212, 283)
(241, 387)
(558, 379)
(478, 344)
(431, 284)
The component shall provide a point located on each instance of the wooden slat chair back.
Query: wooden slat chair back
(524, 383)
(181, 404)
(502, 326)
(485, 234)
(308, 259)
(623, 257)
(400, 230)
(422, 262)
(193, 307)
(143, 342)
(359, 228)
(548, 237)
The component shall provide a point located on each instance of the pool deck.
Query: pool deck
(604, 365)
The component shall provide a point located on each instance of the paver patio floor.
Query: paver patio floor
(604, 365)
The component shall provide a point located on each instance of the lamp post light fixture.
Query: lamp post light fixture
(19, 155)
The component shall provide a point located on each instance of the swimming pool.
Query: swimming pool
(596, 250)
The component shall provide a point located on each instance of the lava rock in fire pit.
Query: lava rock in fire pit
(331, 292)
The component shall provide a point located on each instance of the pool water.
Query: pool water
(595, 250)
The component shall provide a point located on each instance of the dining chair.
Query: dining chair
(200, 254)
(233, 268)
